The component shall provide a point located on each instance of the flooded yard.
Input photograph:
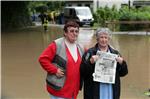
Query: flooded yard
(23, 77)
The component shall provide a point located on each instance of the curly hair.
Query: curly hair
(99, 31)
(70, 23)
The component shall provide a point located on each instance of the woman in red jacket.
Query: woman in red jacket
(61, 60)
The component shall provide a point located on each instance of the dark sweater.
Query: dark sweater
(91, 88)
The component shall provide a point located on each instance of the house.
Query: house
(94, 4)
(109, 3)
(140, 3)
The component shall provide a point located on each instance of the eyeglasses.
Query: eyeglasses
(74, 30)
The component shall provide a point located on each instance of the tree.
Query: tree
(15, 14)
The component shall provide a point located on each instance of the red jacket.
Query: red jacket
(71, 86)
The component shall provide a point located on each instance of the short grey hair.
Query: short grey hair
(103, 30)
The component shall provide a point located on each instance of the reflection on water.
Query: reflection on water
(52, 34)
(136, 50)
(22, 76)
(86, 37)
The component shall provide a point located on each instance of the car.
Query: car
(82, 15)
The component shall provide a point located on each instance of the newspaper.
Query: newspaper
(105, 67)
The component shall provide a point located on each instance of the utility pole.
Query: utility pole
(129, 4)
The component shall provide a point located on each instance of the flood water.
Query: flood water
(23, 78)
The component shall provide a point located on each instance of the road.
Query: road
(23, 77)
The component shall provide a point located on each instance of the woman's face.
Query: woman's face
(72, 34)
(103, 40)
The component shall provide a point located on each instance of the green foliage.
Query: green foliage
(15, 14)
(105, 14)
(46, 6)
(133, 14)
(41, 9)
(38, 6)
(55, 5)
(123, 14)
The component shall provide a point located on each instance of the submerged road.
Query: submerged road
(23, 78)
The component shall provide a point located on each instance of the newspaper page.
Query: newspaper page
(105, 67)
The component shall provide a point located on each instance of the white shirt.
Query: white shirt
(72, 49)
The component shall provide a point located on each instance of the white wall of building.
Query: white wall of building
(109, 3)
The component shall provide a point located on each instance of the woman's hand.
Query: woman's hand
(119, 59)
(60, 73)
(94, 58)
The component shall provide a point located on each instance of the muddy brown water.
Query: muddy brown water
(23, 78)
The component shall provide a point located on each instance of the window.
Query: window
(79, 4)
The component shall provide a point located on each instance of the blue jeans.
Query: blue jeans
(55, 97)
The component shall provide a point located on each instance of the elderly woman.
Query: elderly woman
(98, 90)
(61, 60)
